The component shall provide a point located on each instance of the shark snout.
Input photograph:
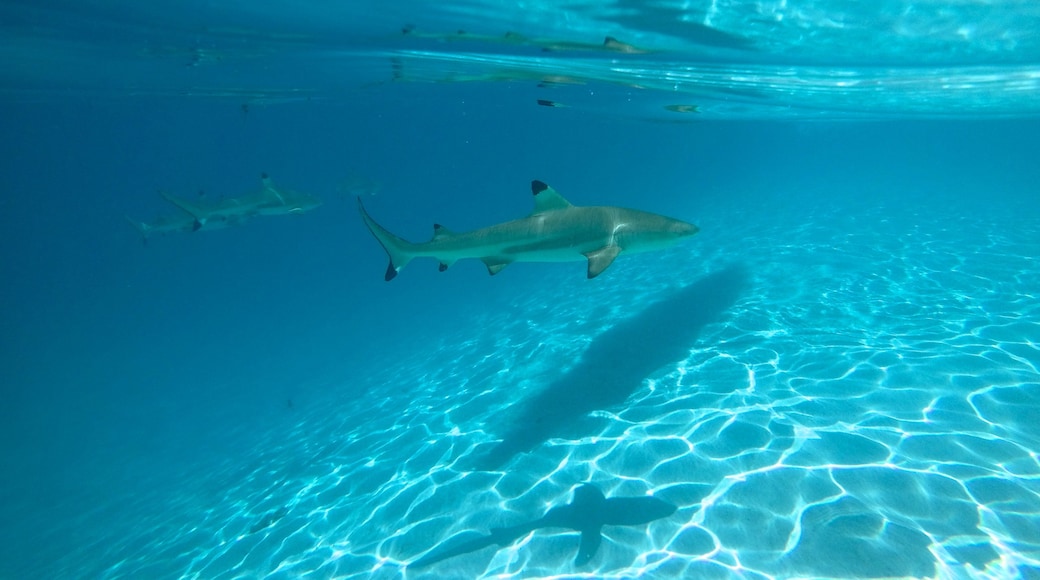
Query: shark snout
(684, 229)
(305, 206)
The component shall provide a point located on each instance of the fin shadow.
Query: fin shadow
(616, 363)
(588, 513)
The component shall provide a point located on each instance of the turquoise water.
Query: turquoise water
(838, 377)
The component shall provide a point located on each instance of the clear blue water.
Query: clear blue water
(838, 377)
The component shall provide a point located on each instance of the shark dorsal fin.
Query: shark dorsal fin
(440, 231)
(547, 198)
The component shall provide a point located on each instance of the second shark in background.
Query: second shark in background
(230, 211)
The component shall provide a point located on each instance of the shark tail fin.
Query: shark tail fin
(399, 251)
(195, 211)
(141, 227)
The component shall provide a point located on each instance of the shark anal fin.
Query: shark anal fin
(547, 198)
(600, 259)
(495, 265)
(590, 541)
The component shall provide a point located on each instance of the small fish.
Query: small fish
(548, 103)
(682, 108)
(269, 519)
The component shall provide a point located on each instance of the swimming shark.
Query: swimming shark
(609, 44)
(556, 231)
(163, 224)
(588, 513)
(270, 200)
(180, 223)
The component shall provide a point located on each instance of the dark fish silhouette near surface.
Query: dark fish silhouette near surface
(268, 519)
(588, 513)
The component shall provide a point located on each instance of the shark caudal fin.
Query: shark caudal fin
(196, 212)
(399, 251)
(141, 227)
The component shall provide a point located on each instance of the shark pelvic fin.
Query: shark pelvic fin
(445, 265)
(547, 198)
(601, 258)
(495, 265)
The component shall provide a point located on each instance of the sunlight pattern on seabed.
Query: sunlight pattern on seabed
(873, 415)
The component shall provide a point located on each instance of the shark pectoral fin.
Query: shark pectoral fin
(547, 198)
(601, 258)
(495, 265)
(590, 541)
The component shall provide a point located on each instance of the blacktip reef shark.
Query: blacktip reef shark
(556, 231)
(270, 200)
(609, 44)
(588, 513)
(181, 223)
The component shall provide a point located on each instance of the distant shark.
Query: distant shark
(556, 231)
(181, 223)
(609, 44)
(162, 225)
(588, 513)
(270, 200)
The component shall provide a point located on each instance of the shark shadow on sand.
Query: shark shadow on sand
(588, 513)
(615, 364)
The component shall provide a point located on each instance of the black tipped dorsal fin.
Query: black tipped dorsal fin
(440, 231)
(547, 198)
(269, 187)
